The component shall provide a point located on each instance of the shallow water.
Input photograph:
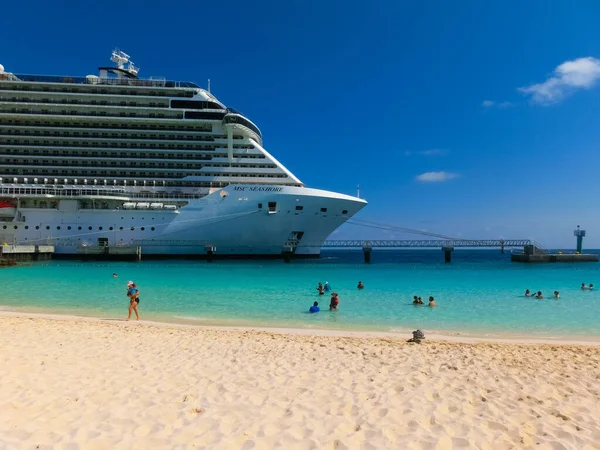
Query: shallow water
(480, 292)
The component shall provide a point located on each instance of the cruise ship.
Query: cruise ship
(114, 160)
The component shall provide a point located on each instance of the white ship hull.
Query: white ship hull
(234, 221)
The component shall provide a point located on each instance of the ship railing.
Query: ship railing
(150, 82)
(87, 192)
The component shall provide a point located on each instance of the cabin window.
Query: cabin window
(272, 206)
(344, 211)
(323, 210)
(260, 206)
(299, 208)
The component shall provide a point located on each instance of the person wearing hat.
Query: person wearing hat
(134, 299)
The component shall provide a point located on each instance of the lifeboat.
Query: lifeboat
(7, 209)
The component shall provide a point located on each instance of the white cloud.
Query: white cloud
(430, 152)
(436, 177)
(581, 73)
(505, 105)
(499, 105)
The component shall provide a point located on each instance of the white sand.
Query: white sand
(90, 384)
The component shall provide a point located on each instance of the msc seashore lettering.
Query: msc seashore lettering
(258, 188)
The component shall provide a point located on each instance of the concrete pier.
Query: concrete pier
(105, 252)
(556, 257)
(10, 254)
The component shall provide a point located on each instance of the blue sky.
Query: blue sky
(472, 119)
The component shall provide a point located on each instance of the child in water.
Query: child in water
(334, 302)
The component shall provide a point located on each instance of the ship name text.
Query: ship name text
(258, 188)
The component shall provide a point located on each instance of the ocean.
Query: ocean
(480, 293)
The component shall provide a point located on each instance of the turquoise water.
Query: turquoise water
(481, 292)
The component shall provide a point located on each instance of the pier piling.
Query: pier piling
(367, 253)
(288, 253)
(448, 254)
(210, 251)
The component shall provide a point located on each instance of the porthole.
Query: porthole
(79, 228)
(69, 227)
(90, 228)
(121, 228)
(48, 227)
(132, 228)
(16, 227)
(100, 228)
(58, 228)
(110, 228)
(142, 228)
(27, 227)
(344, 211)
(37, 227)
(4, 227)
(152, 228)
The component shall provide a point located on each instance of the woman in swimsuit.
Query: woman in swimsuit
(134, 299)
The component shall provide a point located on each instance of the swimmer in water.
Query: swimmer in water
(539, 295)
(327, 288)
(431, 301)
(528, 293)
(556, 295)
(314, 308)
(584, 287)
(115, 275)
(420, 300)
(415, 300)
(321, 289)
(360, 285)
(591, 287)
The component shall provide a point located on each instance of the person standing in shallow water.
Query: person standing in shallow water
(431, 302)
(314, 308)
(360, 285)
(321, 289)
(334, 302)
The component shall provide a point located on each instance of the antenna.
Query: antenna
(132, 69)
(209, 85)
(358, 191)
(119, 58)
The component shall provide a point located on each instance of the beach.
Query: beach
(77, 383)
